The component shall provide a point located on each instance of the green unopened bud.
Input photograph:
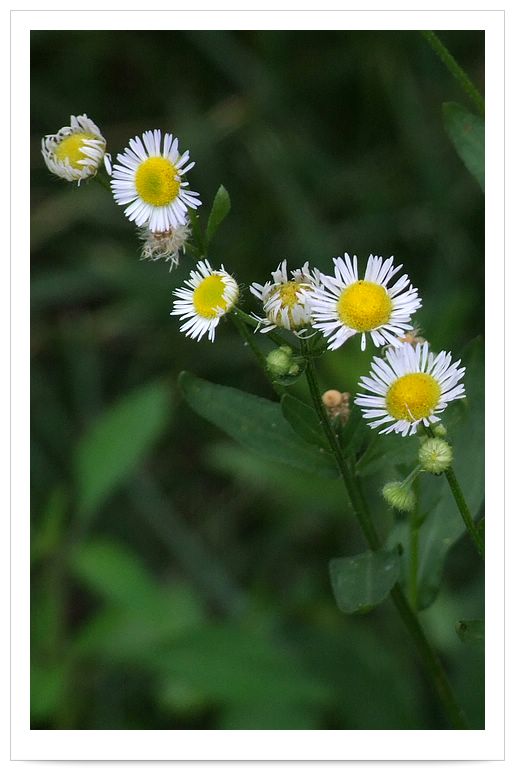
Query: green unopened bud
(399, 496)
(280, 362)
(439, 430)
(435, 455)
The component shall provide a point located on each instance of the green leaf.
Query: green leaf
(304, 420)
(114, 446)
(139, 613)
(219, 211)
(256, 423)
(467, 133)
(365, 580)
(113, 572)
(242, 668)
(472, 632)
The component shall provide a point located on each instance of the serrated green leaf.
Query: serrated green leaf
(365, 580)
(304, 420)
(256, 423)
(219, 211)
(472, 632)
(467, 133)
(112, 448)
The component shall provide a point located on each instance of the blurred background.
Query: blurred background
(177, 580)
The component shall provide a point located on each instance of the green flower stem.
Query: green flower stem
(429, 657)
(413, 568)
(454, 68)
(463, 508)
(251, 322)
(465, 511)
(102, 180)
(249, 339)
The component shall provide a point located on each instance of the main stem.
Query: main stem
(429, 657)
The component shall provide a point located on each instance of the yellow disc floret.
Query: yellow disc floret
(364, 306)
(69, 150)
(208, 297)
(157, 181)
(413, 396)
(289, 296)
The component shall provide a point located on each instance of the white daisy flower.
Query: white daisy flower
(286, 301)
(209, 295)
(346, 305)
(410, 387)
(150, 180)
(166, 245)
(76, 151)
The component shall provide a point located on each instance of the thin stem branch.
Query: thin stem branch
(251, 322)
(454, 68)
(465, 511)
(461, 503)
(413, 570)
(248, 339)
(429, 657)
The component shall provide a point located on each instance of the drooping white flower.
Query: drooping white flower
(286, 301)
(76, 151)
(408, 387)
(164, 246)
(344, 305)
(149, 177)
(208, 295)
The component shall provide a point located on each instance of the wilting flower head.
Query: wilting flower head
(164, 246)
(411, 386)
(76, 151)
(149, 177)
(209, 294)
(286, 301)
(345, 305)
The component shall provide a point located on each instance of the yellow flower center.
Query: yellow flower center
(157, 181)
(288, 294)
(413, 396)
(364, 306)
(288, 298)
(208, 297)
(70, 149)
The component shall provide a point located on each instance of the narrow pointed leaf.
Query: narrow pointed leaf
(219, 211)
(467, 133)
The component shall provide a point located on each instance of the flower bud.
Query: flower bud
(279, 362)
(399, 496)
(435, 455)
(439, 430)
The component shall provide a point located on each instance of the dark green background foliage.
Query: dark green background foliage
(179, 580)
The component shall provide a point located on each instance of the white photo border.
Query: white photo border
(27, 744)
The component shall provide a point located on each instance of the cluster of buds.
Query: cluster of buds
(337, 404)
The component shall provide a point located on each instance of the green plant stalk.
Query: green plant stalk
(465, 511)
(102, 180)
(461, 503)
(248, 339)
(413, 570)
(429, 657)
(250, 322)
(454, 68)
